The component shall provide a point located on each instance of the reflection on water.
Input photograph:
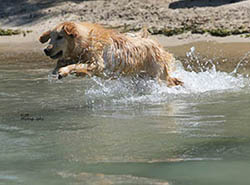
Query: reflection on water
(124, 131)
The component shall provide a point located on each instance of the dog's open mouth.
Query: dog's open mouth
(59, 54)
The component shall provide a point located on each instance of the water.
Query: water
(124, 131)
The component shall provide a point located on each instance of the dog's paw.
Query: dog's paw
(174, 82)
(63, 72)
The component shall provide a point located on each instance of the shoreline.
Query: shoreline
(225, 52)
(30, 41)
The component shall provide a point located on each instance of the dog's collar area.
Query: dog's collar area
(59, 54)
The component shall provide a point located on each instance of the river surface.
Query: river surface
(91, 131)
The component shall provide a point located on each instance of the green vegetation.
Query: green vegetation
(167, 32)
(247, 35)
(226, 32)
(214, 32)
(219, 32)
(9, 32)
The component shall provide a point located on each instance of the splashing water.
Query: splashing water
(209, 78)
(127, 90)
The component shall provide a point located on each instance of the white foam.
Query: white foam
(128, 90)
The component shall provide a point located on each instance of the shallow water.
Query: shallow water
(124, 131)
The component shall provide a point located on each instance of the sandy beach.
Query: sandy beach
(157, 15)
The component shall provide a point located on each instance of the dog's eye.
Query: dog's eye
(59, 37)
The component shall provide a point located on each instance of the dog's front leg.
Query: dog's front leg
(62, 63)
(79, 69)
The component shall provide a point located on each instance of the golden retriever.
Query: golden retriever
(90, 49)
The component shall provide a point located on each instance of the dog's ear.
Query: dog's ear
(70, 29)
(45, 37)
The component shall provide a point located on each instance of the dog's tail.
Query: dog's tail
(144, 32)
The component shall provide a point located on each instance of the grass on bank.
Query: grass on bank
(214, 32)
(9, 32)
(155, 31)
(218, 32)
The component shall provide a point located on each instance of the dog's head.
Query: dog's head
(61, 40)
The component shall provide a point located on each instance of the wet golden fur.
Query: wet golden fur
(90, 49)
